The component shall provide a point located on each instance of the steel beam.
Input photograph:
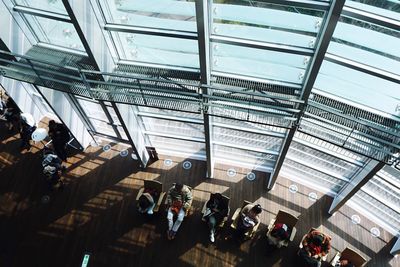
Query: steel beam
(309, 80)
(203, 26)
(356, 182)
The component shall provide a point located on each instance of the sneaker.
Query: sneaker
(212, 238)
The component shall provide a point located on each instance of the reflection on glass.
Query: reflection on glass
(257, 20)
(55, 32)
(372, 45)
(387, 8)
(48, 5)
(259, 63)
(163, 14)
(176, 128)
(229, 155)
(159, 50)
(358, 87)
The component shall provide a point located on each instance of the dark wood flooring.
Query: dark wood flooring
(95, 213)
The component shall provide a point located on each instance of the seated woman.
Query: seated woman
(147, 201)
(217, 210)
(279, 234)
(317, 243)
(249, 217)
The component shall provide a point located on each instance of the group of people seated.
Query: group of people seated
(179, 201)
(314, 246)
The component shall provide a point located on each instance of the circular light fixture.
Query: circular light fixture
(313, 196)
(251, 176)
(293, 188)
(375, 232)
(231, 172)
(124, 153)
(133, 156)
(187, 165)
(106, 148)
(355, 219)
(168, 162)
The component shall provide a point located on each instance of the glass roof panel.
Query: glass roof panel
(157, 49)
(257, 20)
(55, 6)
(163, 14)
(55, 32)
(374, 45)
(387, 8)
(359, 87)
(258, 63)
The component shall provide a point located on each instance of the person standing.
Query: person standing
(59, 135)
(27, 127)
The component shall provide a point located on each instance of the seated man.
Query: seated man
(279, 234)
(317, 243)
(179, 200)
(147, 201)
(249, 217)
(216, 211)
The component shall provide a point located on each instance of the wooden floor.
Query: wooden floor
(95, 214)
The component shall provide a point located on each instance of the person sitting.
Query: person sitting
(179, 200)
(27, 127)
(249, 217)
(147, 201)
(59, 135)
(216, 210)
(317, 243)
(344, 263)
(279, 234)
(52, 168)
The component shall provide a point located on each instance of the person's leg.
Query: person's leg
(212, 222)
(150, 210)
(170, 218)
(179, 220)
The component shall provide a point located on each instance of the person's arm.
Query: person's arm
(245, 211)
(188, 198)
(169, 197)
(326, 246)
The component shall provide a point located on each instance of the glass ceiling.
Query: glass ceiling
(259, 60)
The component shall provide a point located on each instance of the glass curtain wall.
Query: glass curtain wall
(49, 23)
(259, 56)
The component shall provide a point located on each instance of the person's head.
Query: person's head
(143, 203)
(256, 209)
(218, 196)
(178, 187)
(318, 240)
(52, 124)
